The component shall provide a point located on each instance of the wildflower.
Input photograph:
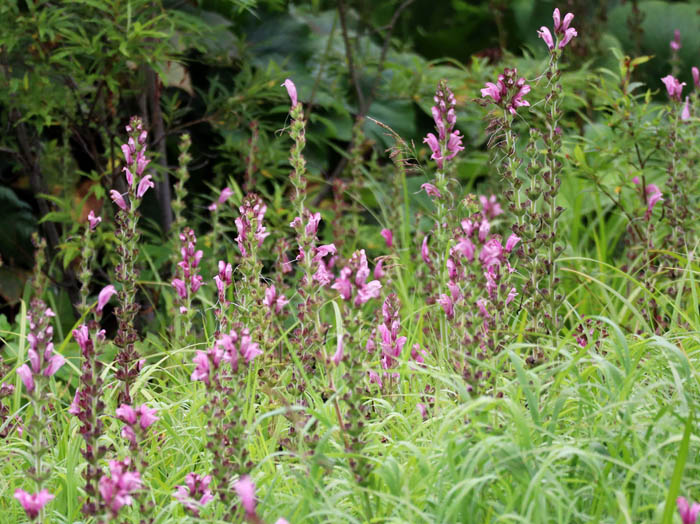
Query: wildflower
(447, 305)
(245, 488)
(93, 220)
(509, 91)
(561, 29)
(445, 118)
(291, 91)
(689, 514)
(696, 77)
(685, 114)
(673, 87)
(388, 237)
(141, 419)
(512, 241)
(339, 351)
(144, 185)
(424, 252)
(223, 197)
(391, 342)
(653, 195)
(117, 488)
(545, 35)
(511, 296)
(490, 206)
(118, 199)
(104, 296)
(273, 301)
(195, 494)
(492, 253)
(33, 503)
(250, 223)
(559, 26)
(431, 190)
(675, 44)
(466, 247)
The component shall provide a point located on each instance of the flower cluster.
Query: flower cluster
(229, 347)
(674, 87)
(33, 503)
(43, 361)
(564, 34)
(135, 157)
(118, 487)
(390, 342)
(274, 301)
(448, 143)
(251, 231)
(195, 494)
(188, 281)
(364, 291)
(136, 421)
(508, 91)
(225, 194)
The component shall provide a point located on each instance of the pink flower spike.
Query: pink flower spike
(673, 87)
(33, 503)
(689, 514)
(93, 220)
(25, 373)
(388, 237)
(245, 488)
(104, 297)
(144, 185)
(291, 91)
(696, 76)
(118, 199)
(545, 35)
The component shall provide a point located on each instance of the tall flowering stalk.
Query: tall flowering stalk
(297, 131)
(549, 213)
(43, 363)
(180, 193)
(188, 280)
(222, 369)
(87, 256)
(128, 240)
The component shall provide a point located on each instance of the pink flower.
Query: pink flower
(654, 195)
(379, 269)
(491, 254)
(25, 373)
(447, 305)
(689, 514)
(466, 247)
(201, 369)
(431, 190)
(545, 35)
(141, 161)
(685, 114)
(675, 44)
(312, 225)
(424, 253)
(180, 287)
(338, 355)
(118, 199)
(517, 100)
(93, 220)
(568, 36)
(673, 87)
(104, 297)
(223, 197)
(54, 363)
(144, 185)
(490, 206)
(696, 76)
(434, 146)
(388, 237)
(512, 241)
(291, 91)
(494, 91)
(33, 503)
(245, 488)
(374, 378)
(196, 487)
(511, 296)
(422, 410)
(129, 176)
(484, 229)
(367, 292)
(116, 489)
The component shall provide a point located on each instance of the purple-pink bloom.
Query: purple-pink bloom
(673, 87)
(685, 114)
(117, 488)
(431, 190)
(688, 513)
(195, 494)
(93, 220)
(291, 91)
(496, 92)
(511, 296)
(33, 503)
(568, 36)
(180, 287)
(127, 150)
(118, 199)
(144, 184)
(466, 247)
(696, 76)
(492, 253)
(105, 294)
(129, 176)
(245, 488)
(338, 355)
(367, 292)
(512, 241)
(490, 206)
(424, 252)
(447, 305)
(675, 44)
(25, 373)
(654, 195)
(388, 237)
(484, 229)
(545, 35)
(223, 197)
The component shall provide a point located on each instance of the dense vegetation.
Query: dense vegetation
(286, 262)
